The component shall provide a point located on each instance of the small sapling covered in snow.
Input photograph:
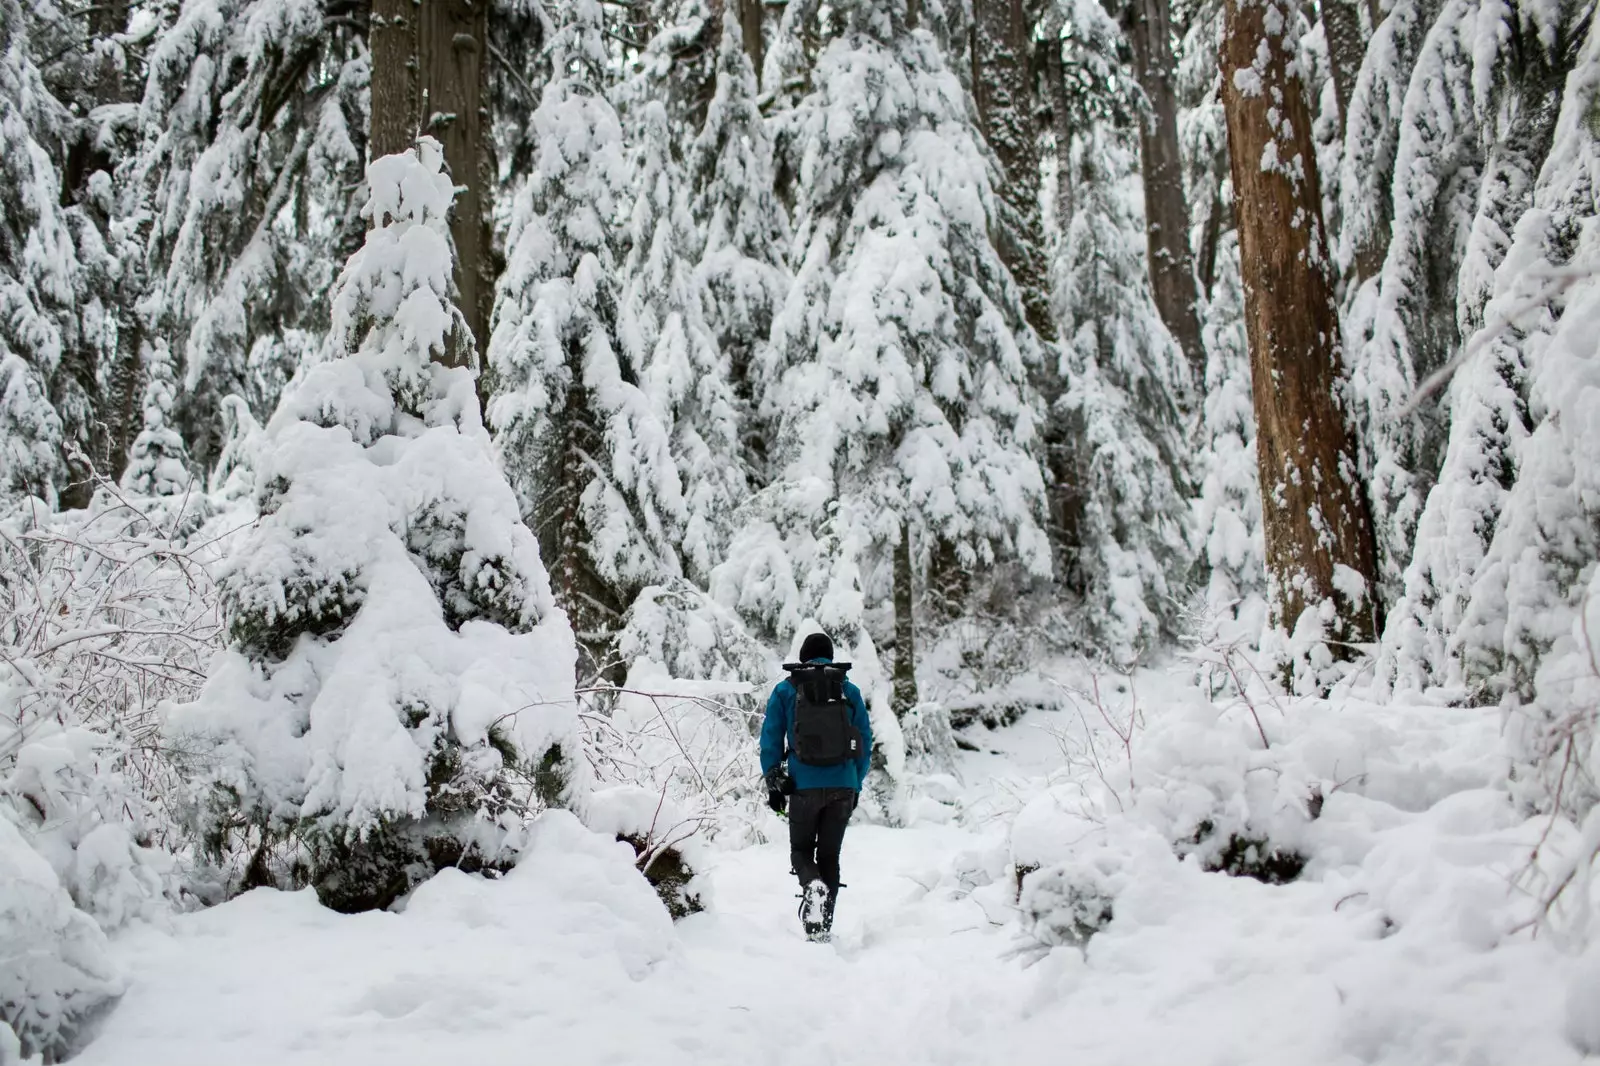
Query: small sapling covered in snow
(398, 690)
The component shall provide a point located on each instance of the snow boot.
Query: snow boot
(814, 910)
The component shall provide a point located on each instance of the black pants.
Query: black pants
(817, 817)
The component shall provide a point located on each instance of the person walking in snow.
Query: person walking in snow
(816, 748)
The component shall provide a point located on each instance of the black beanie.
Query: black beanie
(816, 646)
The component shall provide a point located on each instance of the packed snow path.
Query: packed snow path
(571, 960)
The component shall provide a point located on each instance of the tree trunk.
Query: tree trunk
(1002, 86)
(905, 633)
(1064, 498)
(429, 76)
(1317, 522)
(1147, 24)
(750, 24)
(1341, 25)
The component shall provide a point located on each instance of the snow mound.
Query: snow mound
(58, 976)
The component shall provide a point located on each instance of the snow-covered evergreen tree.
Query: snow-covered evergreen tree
(244, 189)
(38, 274)
(1479, 111)
(746, 236)
(586, 451)
(1228, 510)
(1502, 596)
(901, 354)
(665, 335)
(1125, 378)
(398, 685)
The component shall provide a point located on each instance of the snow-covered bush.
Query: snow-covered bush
(1069, 900)
(690, 743)
(397, 691)
(58, 974)
(670, 852)
(104, 613)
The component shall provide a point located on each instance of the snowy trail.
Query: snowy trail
(571, 959)
(274, 978)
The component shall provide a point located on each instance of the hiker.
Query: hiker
(816, 745)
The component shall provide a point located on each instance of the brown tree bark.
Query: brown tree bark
(1002, 87)
(1148, 27)
(429, 76)
(904, 696)
(750, 14)
(1315, 516)
(1341, 24)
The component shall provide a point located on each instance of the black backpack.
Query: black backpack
(823, 735)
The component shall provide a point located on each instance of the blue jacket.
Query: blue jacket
(777, 734)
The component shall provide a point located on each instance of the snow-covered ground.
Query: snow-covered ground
(1398, 946)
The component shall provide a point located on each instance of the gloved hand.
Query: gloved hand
(855, 801)
(777, 801)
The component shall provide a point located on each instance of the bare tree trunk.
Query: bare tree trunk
(1341, 25)
(1317, 521)
(429, 76)
(1148, 26)
(1002, 86)
(905, 631)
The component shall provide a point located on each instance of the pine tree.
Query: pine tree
(589, 457)
(664, 333)
(42, 276)
(741, 272)
(399, 680)
(1124, 375)
(1229, 504)
(251, 139)
(1475, 128)
(1496, 528)
(904, 409)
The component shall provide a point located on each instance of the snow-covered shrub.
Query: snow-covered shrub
(689, 742)
(669, 851)
(1070, 866)
(397, 691)
(57, 974)
(104, 613)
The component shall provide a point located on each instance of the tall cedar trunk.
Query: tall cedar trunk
(1341, 25)
(1315, 515)
(1148, 26)
(429, 76)
(750, 25)
(1002, 86)
(905, 630)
